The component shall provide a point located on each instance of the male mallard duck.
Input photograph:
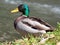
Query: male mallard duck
(29, 25)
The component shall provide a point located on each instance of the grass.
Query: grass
(36, 41)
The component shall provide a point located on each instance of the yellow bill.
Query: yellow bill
(15, 10)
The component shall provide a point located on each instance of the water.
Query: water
(48, 10)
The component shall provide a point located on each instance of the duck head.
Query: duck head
(22, 8)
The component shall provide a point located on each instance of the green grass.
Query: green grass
(36, 41)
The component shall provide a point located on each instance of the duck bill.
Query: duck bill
(15, 10)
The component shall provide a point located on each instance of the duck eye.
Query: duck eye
(21, 8)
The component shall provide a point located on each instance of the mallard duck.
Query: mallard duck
(29, 25)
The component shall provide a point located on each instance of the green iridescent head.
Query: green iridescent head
(24, 9)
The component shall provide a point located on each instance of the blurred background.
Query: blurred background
(48, 10)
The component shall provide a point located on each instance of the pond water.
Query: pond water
(49, 10)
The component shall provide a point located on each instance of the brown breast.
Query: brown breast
(19, 19)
